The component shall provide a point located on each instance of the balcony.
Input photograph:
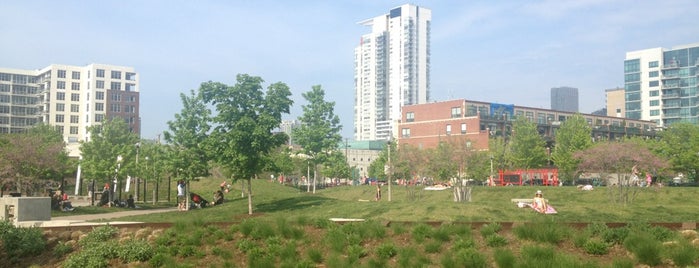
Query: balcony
(670, 86)
(670, 66)
(670, 96)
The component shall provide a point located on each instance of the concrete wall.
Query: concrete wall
(18, 209)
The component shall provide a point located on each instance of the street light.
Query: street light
(138, 173)
(116, 181)
(388, 176)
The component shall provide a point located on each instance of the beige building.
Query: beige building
(614, 98)
(70, 98)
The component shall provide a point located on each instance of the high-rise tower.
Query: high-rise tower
(391, 69)
(661, 85)
(564, 99)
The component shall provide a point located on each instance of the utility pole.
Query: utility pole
(390, 170)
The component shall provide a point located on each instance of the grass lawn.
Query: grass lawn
(488, 204)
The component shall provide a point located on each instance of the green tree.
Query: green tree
(680, 144)
(109, 154)
(319, 133)
(153, 166)
(527, 147)
(335, 166)
(245, 117)
(26, 158)
(574, 135)
(188, 151)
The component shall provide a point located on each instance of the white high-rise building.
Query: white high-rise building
(661, 84)
(70, 98)
(391, 69)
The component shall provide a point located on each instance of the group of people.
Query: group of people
(59, 201)
(197, 200)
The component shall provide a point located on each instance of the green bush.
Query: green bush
(491, 228)
(495, 240)
(645, 248)
(683, 254)
(99, 234)
(421, 232)
(93, 255)
(504, 258)
(623, 263)
(20, 242)
(246, 245)
(615, 235)
(288, 251)
(386, 251)
(548, 232)
(580, 238)
(596, 247)
(61, 249)
(596, 228)
(433, 247)
(471, 258)
(355, 252)
(442, 234)
(463, 243)
(161, 260)
(315, 255)
(135, 250)
(336, 239)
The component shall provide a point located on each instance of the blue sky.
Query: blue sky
(496, 51)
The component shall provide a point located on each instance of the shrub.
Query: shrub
(463, 243)
(246, 245)
(684, 254)
(548, 232)
(623, 263)
(386, 251)
(161, 260)
(336, 239)
(61, 249)
(615, 235)
(471, 258)
(433, 247)
(99, 234)
(355, 252)
(645, 248)
(442, 234)
(490, 229)
(288, 252)
(596, 247)
(504, 258)
(406, 256)
(596, 228)
(421, 232)
(374, 230)
(20, 242)
(495, 240)
(580, 238)
(218, 251)
(135, 250)
(315, 255)
(322, 223)
(398, 229)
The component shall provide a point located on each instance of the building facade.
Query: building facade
(564, 99)
(614, 102)
(391, 69)
(661, 84)
(70, 98)
(473, 123)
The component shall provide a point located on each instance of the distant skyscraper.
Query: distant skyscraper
(564, 99)
(70, 98)
(661, 84)
(614, 98)
(391, 69)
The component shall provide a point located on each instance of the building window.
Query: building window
(116, 86)
(61, 85)
(59, 129)
(654, 93)
(100, 84)
(59, 118)
(448, 129)
(60, 96)
(130, 87)
(75, 108)
(99, 107)
(74, 119)
(74, 130)
(654, 112)
(653, 74)
(61, 74)
(75, 97)
(75, 86)
(131, 76)
(654, 103)
(410, 116)
(60, 107)
(653, 64)
(99, 118)
(99, 95)
(100, 73)
(116, 75)
(463, 128)
(75, 75)
(115, 108)
(116, 97)
(455, 112)
(653, 83)
(406, 133)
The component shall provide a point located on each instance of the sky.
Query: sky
(510, 52)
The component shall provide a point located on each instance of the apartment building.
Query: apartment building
(391, 69)
(661, 84)
(471, 124)
(70, 98)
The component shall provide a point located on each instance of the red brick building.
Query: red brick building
(426, 125)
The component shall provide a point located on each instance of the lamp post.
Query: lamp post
(390, 170)
(548, 155)
(144, 180)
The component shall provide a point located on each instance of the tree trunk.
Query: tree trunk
(315, 175)
(249, 196)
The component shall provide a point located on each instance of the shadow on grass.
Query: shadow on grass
(294, 203)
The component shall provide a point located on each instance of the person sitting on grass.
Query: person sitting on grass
(218, 198)
(197, 201)
(130, 202)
